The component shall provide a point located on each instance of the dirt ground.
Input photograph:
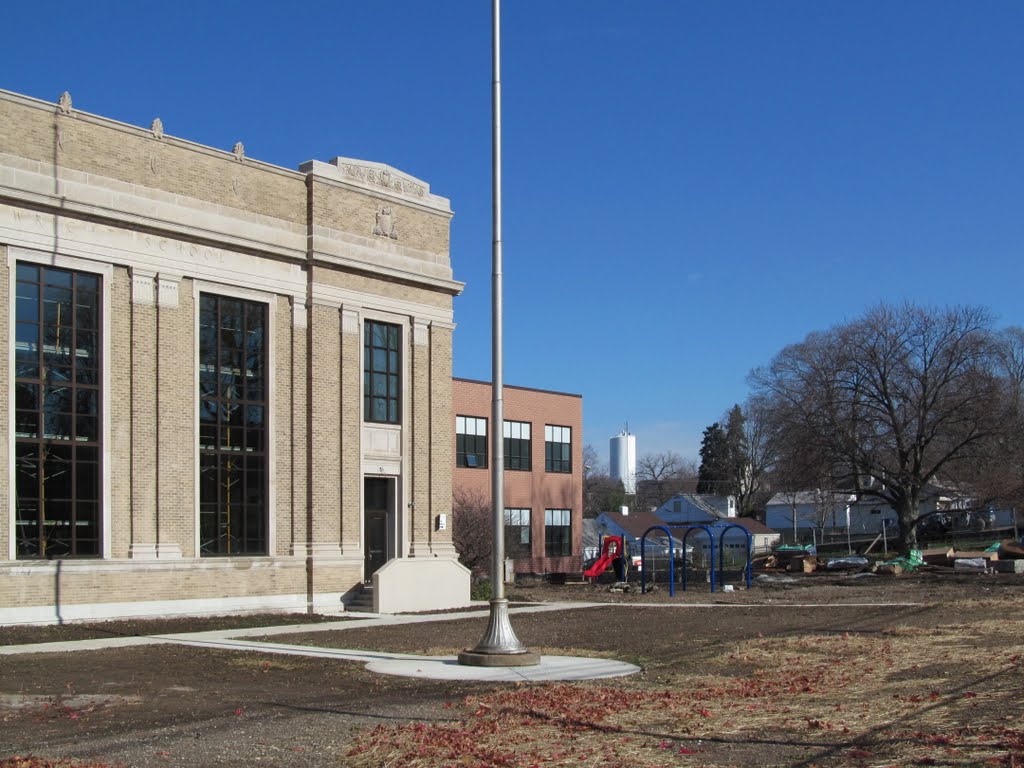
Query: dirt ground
(819, 671)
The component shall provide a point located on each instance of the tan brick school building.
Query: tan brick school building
(228, 384)
(543, 456)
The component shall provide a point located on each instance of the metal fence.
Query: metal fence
(839, 540)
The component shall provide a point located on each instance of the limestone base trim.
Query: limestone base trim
(215, 606)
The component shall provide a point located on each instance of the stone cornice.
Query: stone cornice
(451, 287)
(106, 122)
(379, 180)
(71, 193)
(349, 300)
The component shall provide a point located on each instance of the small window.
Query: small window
(517, 532)
(557, 532)
(517, 445)
(470, 442)
(557, 449)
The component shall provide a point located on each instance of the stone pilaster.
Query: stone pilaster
(143, 451)
(326, 438)
(441, 443)
(351, 491)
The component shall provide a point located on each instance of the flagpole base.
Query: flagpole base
(499, 646)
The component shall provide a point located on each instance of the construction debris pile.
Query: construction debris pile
(1000, 557)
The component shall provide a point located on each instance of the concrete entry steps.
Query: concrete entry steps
(363, 601)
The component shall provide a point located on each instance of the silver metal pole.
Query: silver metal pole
(499, 646)
(497, 326)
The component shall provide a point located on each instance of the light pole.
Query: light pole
(499, 646)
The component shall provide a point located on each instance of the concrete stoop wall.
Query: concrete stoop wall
(420, 584)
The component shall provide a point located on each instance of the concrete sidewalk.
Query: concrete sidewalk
(406, 665)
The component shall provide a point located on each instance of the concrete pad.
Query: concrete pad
(551, 668)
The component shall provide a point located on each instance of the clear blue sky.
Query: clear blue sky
(689, 186)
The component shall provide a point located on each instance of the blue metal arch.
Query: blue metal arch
(711, 538)
(721, 553)
(671, 561)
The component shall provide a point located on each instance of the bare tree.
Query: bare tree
(999, 475)
(761, 447)
(472, 529)
(891, 401)
(659, 476)
(592, 463)
(601, 493)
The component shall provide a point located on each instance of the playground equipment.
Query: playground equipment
(612, 550)
(722, 530)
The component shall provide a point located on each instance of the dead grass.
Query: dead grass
(904, 696)
(262, 664)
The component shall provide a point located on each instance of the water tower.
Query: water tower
(622, 460)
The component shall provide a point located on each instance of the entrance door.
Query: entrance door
(375, 524)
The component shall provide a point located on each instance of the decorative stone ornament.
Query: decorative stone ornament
(64, 104)
(157, 128)
(385, 223)
(239, 151)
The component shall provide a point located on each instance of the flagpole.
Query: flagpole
(499, 646)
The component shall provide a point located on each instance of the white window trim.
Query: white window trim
(106, 274)
(219, 289)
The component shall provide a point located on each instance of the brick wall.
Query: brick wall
(142, 458)
(122, 424)
(326, 439)
(351, 449)
(176, 411)
(537, 489)
(353, 211)
(442, 448)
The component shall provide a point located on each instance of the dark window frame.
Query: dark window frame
(518, 450)
(382, 370)
(58, 424)
(517, 528)
(557, 533)
(557, 450)
(234, 407)
(471, 447)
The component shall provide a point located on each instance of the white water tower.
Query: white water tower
(622, 461)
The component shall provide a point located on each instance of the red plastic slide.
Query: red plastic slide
(611, 548)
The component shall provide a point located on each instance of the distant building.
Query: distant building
(715, 511)
(798, 513)
(543, 448)
(696, 508)
(622, 460)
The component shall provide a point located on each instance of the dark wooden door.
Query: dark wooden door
(375, 525)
